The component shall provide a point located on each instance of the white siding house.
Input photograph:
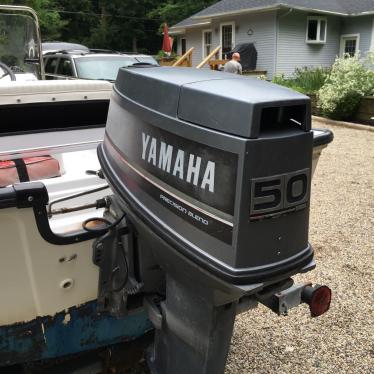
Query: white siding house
(361, 29)
(263, 35)
(293, 48)
(300, 34)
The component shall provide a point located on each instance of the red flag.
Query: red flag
(166, 44)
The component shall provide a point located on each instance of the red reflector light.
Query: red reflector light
(318, 298)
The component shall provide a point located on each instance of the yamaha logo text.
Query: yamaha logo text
(178, 163)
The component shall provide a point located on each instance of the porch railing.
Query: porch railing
(186, 59)
(209, 57)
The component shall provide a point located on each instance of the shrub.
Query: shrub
(351, 78)
(289, 83)
(304, 80)
(161, 54)
(311, 80)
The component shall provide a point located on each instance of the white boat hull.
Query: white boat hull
(38, 278)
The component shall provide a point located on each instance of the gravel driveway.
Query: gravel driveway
(341, 232)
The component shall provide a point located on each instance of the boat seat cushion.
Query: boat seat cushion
(28, 169)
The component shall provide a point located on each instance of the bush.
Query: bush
(282, 81)
(351, 78)
(304, 80)
(311, 80)
(161, 54)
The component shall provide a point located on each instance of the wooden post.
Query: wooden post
(207, 58)
(214, 64)
(186, 57)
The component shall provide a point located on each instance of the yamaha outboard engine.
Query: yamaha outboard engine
(213, 173)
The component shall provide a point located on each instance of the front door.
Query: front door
(183, 45)
(349, 45)
(227, 38)
(207, 42)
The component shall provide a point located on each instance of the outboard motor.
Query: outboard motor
(211, 176)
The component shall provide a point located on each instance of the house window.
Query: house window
(316, 30)
(183, 45)
(207, 42)
(227, 37)
(349, 44)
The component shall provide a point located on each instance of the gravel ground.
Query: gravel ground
(341, 232)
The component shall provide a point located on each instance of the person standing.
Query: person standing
(234, 65)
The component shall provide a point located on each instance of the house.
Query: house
(287, 33)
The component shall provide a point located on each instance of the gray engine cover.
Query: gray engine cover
(216, 165)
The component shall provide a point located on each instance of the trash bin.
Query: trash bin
(213, 172)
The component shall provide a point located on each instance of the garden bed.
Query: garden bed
(365, 113)
(344, 92)
(315, 109)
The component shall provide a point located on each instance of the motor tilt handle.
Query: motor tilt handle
(35, 195)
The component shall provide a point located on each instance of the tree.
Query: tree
(50, 20)
(174, 11)
(78, 18)
(124, 25)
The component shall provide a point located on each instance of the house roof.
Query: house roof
(191, 21)
(227, 7)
